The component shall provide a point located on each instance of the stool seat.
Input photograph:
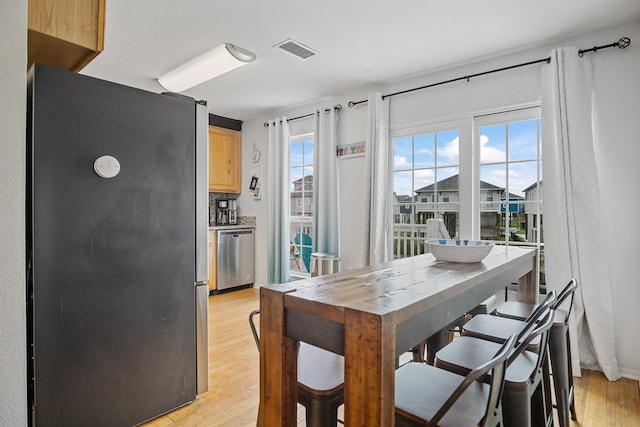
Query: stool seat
(496, 329)
(465, 353)
(319, 370)
(520, 311)
(422, 389)
(426, 395)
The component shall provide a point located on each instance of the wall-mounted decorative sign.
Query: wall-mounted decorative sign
(256, 183)
(351, 150)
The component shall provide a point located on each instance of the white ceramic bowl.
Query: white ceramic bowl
(459, 250)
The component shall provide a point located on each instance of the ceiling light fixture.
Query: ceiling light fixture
(210, 64)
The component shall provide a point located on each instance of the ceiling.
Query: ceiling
(360, 44)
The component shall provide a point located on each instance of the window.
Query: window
(482, 176)
(510, 167)
(423, 165)
(301, 190)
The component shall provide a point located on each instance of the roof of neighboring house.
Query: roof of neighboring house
(403, 198)
(307, 179)
(452, 184)
(531, 187)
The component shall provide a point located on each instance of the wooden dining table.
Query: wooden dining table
(371, 315)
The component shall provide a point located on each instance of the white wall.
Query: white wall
(13, 62)
(616, 82)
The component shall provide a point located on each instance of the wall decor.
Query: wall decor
(350, 150)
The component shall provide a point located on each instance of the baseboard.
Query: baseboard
(630, 374)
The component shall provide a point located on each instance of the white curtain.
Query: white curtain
(377, 178)
(572, 209)
(326, 209)
(278, 208)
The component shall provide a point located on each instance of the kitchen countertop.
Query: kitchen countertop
(231, 227)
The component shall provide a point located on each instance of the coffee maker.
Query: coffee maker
(226, 212)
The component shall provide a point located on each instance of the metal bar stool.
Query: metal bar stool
(320, 381)
(524, 401)
(426, 395)
(559, 348)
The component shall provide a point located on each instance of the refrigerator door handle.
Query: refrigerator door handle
(202, 191)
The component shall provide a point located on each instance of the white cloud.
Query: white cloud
(490, 154)
(450, 151)
(401, 162)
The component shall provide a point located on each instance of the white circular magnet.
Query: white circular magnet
(106, 166)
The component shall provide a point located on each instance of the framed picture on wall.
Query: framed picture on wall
(254, 183)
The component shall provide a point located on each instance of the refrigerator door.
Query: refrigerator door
(113, 258)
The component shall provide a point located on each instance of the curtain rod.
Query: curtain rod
(622, 43)
(326, 110)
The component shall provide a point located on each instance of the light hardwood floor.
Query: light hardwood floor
(232, 399)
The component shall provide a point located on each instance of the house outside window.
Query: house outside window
(301, 191)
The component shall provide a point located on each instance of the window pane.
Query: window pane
(295, 176)
(448, 148)
(295, 154)
(308, 151)
(494, 178)
(424, 152)
(402, 184)
(523, 140)
(521, 176)
(493, 144)
(425, 205)
(422, 178)
(402, 153)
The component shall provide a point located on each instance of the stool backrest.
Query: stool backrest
(537, 324)
(546, 303)
(569, 290)
(254, 331)
(497, 365)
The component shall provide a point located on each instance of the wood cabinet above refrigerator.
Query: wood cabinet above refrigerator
(225, 160)
(66, 34)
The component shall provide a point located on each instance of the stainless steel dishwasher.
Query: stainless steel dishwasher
(236, 258)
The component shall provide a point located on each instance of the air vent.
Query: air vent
(297, 49)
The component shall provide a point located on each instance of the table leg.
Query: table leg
(278, 364)
(528, 285)
(369, 369)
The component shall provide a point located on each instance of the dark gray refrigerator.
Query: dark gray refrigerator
(117, 218)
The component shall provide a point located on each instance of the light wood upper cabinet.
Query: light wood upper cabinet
(225, 160)
(66, 34)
